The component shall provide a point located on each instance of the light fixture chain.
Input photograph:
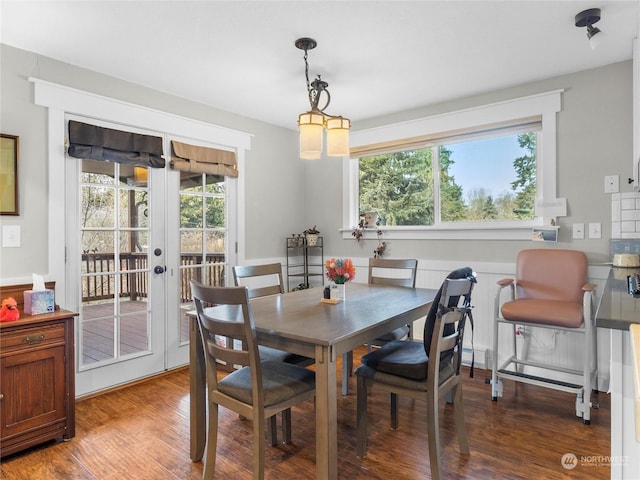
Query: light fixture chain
(306, 71)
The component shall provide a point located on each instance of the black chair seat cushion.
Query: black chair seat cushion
(280, 381)
(402, 358)
(397, 334)
(276, 355)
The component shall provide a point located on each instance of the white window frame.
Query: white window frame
(547, 105)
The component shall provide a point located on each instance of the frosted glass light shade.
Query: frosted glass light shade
(311, 126)
(338, 136)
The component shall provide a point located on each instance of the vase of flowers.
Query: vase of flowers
(340, 271)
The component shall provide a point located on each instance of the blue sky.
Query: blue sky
(486, 164)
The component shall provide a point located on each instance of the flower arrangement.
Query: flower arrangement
(340, 270)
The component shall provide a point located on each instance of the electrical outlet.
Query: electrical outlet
(595, 230)
(578, 231)
(612, 184)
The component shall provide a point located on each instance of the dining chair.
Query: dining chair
(259, 389)
(385, 271)
(398, 272)
(263, 280)
(423, 370)
(550, 291)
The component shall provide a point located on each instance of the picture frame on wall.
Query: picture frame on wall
(8, 174)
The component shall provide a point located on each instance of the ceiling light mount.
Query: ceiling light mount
(587, 18)
(312, 123)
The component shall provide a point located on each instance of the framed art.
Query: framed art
(8, 174)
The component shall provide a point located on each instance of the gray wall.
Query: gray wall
(274, 175)
(594, 140)
(286, 195)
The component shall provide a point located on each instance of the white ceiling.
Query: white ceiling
(379, 57)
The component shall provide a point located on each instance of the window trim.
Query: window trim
(546, 105)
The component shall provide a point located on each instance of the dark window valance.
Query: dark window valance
(212, 161)
(99, 143)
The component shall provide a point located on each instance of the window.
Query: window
(485, 169)
(479, 180)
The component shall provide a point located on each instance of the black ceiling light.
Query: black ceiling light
(586, 19)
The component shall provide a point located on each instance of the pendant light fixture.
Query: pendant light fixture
(314, 122)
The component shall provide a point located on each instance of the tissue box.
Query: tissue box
(37, 302)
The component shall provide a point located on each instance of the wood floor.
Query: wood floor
(142, 432)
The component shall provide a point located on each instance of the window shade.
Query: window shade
(99, 143)
(212, 161)
(521, 125)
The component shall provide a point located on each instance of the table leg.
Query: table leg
(197, 403)
(326, 415)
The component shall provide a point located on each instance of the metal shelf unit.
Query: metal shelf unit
(305, 263)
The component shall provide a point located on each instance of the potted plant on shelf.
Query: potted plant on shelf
(311, 234)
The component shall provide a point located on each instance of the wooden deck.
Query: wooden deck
(98, 331)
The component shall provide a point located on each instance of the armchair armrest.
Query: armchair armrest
(505, 282)
(588, 287)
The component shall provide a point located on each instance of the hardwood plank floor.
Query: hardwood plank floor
(142, 432)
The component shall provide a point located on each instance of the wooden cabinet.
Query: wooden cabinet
(37, 390)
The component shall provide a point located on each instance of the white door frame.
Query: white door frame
(60, 101)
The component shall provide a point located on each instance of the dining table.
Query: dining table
(300, 322)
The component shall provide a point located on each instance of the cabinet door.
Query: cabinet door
(33, 388)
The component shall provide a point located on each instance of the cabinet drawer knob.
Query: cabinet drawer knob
(34, 339)
(1, 396)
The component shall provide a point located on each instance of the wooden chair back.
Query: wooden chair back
(267, 279)
(389, 271)
(227, 332)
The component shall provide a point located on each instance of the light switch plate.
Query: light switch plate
(595, 230)
(578, 230)
(10, 236)
(612, 184)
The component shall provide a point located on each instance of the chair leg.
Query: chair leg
(361, 417)
(495, 390)
(258, 445)
(393, 405)
(458, 415)
(272, 431)
(286, 426)
(212, 444)
(347, 368)
(433, 432)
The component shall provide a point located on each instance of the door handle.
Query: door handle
(158, 269)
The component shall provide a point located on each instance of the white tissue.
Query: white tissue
(38, 283)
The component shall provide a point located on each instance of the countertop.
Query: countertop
(617, 309)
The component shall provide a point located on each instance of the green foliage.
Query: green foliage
(452, 206)
(525, 168)
(399, 186)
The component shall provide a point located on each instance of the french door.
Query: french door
(135, 237)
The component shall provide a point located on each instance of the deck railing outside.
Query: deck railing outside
(99, 284)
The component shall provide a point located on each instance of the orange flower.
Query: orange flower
(340, 270)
